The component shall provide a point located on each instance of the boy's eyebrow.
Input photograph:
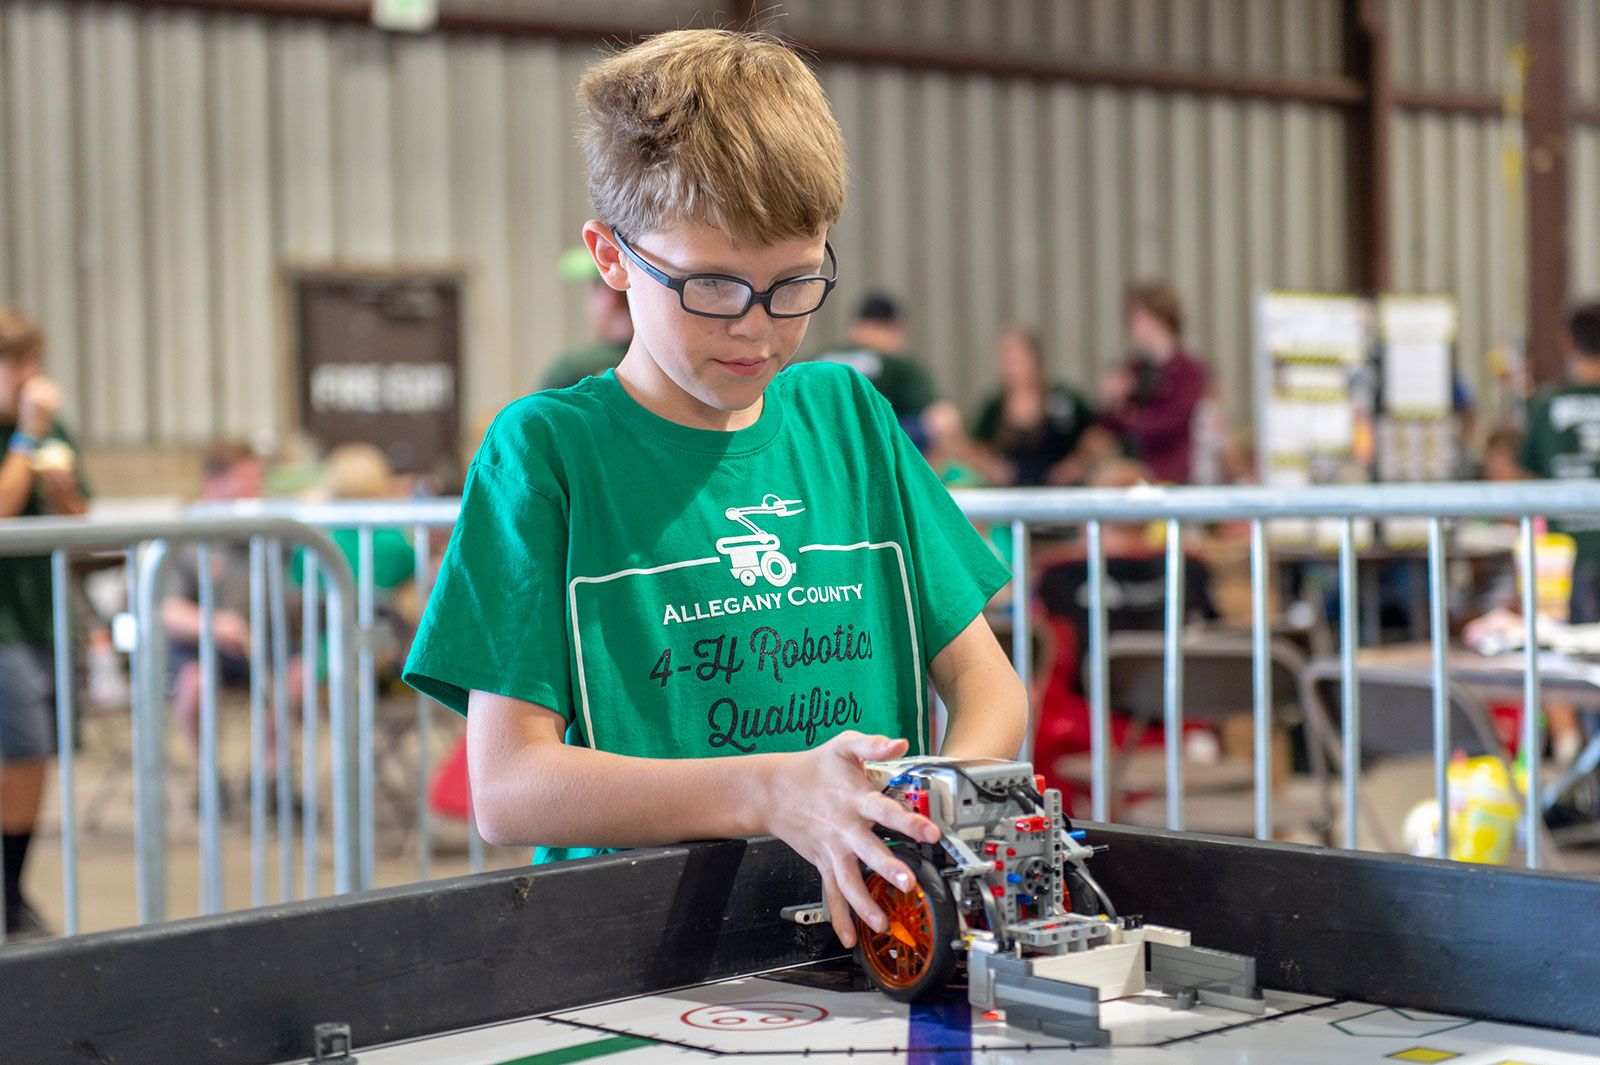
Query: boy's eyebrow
(787, 271)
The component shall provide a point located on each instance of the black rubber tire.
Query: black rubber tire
(941, 965)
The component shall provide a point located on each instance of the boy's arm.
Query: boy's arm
(529, 786)
(987, 701)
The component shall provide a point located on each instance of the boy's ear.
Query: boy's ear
(607, 256)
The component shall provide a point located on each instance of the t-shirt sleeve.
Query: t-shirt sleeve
(956, 573)
(496, 620)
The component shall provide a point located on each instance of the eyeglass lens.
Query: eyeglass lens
(710, 295)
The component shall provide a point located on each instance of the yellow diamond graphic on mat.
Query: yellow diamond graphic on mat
(1424, 1054)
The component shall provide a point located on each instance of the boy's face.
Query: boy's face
(706, 372)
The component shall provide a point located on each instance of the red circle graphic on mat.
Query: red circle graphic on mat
(757, 1016)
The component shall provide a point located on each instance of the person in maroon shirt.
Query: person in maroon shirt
(1149, 401)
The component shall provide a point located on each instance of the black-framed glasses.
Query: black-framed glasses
(721, 296)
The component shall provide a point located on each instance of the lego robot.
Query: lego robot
(1008, 885)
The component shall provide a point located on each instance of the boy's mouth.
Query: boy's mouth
(743, 368)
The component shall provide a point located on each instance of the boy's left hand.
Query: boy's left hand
(824, 806)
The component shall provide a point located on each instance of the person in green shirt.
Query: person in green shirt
(39, 475)
(610, 326)
(876, 349)
(1563, 442)
(687, 599)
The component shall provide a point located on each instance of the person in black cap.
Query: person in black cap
(875, 348)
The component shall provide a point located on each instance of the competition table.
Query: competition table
(680, 954)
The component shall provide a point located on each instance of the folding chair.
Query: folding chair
(1218, 683)
(1397, 723)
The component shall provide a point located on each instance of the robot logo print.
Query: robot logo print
(757, 553)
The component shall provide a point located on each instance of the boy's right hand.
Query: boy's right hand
(824, 806)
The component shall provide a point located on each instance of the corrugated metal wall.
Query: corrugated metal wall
(1585, 162)
(159, 165)
(1457, 216)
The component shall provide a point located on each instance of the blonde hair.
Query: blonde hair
(20, 336)
(358, 471)
(725, 128)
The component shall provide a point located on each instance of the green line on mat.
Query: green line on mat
(582, 1052)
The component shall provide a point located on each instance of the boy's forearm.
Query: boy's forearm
(558, 795)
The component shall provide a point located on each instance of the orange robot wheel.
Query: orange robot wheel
(914, 957)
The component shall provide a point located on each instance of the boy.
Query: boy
(694, 556)
(38, 475)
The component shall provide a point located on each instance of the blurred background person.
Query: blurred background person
(230, 470)
(1033, 432)
(1563, 443)
(875, 348)
(610, 325)
(1149, 401)
(39, 475)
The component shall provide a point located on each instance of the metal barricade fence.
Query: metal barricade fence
(1435, 504)
(351, 598)
(419, 518)
(145, 547)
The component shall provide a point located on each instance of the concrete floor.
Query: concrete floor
(105, 836)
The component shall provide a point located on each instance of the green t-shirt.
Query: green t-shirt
(1563, 443)
(901, 380)
(575, 364)
(25, 604)
(676, 592)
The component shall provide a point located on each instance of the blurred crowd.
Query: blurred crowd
(1153, 416)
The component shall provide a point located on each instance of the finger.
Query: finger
(865, 748)
(881, 860)
(844, 925)
(881, 809)
(848, 875)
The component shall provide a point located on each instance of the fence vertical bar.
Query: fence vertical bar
(345, 742)
(258, 722)
(1349, 687)
(1172, 655)
(1021, 635)
(60, 603)
(210, 780)
(422, 578)
(366, 595)
(278, 613)
(1440, 634)
(1532, 743)
(1099, 699)
(310, 724)
(150, 736)
(1261, 661)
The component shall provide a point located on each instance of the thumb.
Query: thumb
(873, 748)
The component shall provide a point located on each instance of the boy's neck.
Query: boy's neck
(659, 394)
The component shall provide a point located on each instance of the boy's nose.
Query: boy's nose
(755, 322)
